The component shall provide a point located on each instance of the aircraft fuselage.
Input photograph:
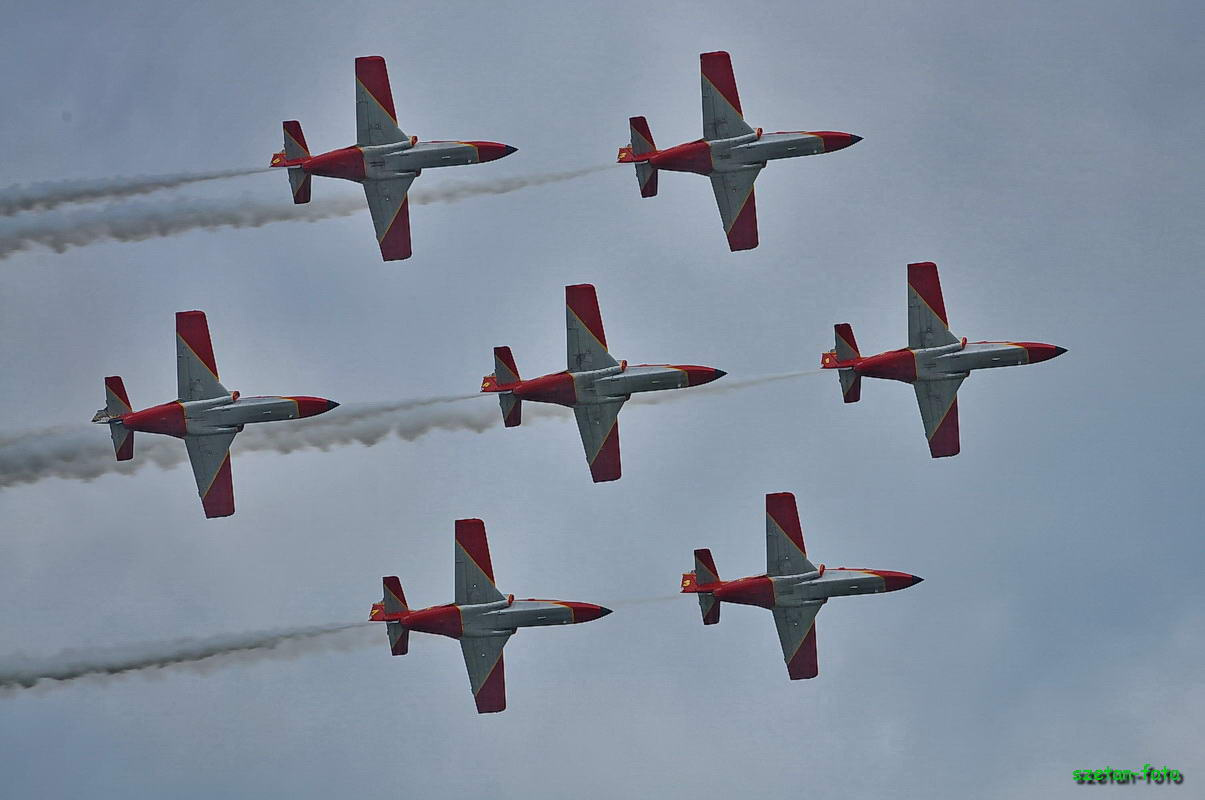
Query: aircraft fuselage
(949, 361)
(220, 414)
(611, 383)
(816, 587)
(400, 159)
(490, 619)
(750, 151)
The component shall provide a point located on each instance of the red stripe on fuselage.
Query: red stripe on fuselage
(346, 163)
(895, 365)
(758, 591)
(556, 388)
(690, 157)
(167, 418)
(374, 77)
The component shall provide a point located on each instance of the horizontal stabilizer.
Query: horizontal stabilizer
(399, 638)
(117, 404)
(394, 599)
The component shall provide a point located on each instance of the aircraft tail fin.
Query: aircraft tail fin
(117, 405)
(840, 358)
(505, 375)
(637, 153)
(705, 574)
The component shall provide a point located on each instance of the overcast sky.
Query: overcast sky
(1046, 155)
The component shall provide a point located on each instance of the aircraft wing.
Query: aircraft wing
(927, 323)
(390, 207)
(938, 401)
(599, 427)
(738, 208)
(376, 121)
(196, 369)
(586, 341)
(487, 675)
(210, 458)
(785, 551)
(722, 116)
(797, 635)
(474, 572)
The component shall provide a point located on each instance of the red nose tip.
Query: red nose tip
(897, 580)
(492, 151)
(587, 612)
(1042, 352)
(312, 406)
(836, 140)
(697, 376)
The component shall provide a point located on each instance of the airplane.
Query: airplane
(730, 152)
(482, 618)
(595, 385)
(207, 415)
(792, 587)
(384, 159)
(935, 361)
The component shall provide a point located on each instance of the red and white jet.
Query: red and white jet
(207, 416)
(384, 159)
(792, 587)
(730, 152)
(482, 618)
(935, 361)
(595, 385)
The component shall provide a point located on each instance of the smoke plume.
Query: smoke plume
(138, 221)
(20, 672)
(45, 196)
(83, 452)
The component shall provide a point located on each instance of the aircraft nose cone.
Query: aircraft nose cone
(916, 579)
(836, 140)
(697, 376)
(603, 611)
(492, 151)
(312, 406)
(1042, 352)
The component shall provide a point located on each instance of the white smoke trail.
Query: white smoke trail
(20, 672)
(45, 196)
(83, 452)
(135, 222)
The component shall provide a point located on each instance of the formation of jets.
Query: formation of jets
(594, 384)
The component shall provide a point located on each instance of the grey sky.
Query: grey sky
(1046, 156)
